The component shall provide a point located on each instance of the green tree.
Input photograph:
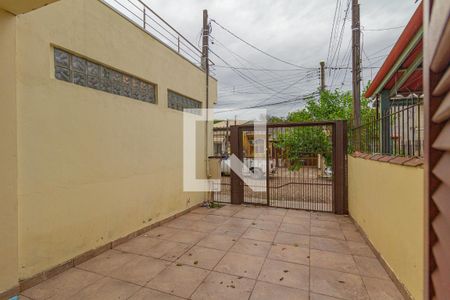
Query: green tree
(331, 105)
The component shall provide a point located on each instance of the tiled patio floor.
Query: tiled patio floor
(234, 252)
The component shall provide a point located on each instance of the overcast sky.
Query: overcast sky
(296, 31)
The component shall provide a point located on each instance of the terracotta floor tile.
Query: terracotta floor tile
(187, 236)
(299, 255)
(293, 254)
(313, 296)
(348, 226)
(218, 286)
(238, 222)
(371, 267)
(303, 214)
(295, 228)
(360, 249)
(106, 262)
(201, 257)
(247, 213)
(203, 226)
(217, 241)
(259, 234)
(379, 289)
(296, 220)
(251, 247)
(203, 210)
(270, 218)
(231, 231)
(240, 265)
(161, 232)
(178, 280)
(337, 284)
(266, 225)
(268, 291)
(344, 219)
(333, 261)
(141, 245)
(351, 235)
(139, 270)
(276, 211)
(148, 294)
(329, 233)
(191, 217)
(179, 223)
(325, 224)
(292, 239)
(63, 285)
(224, 212)
(331, 245)
(169, 250)
(323, 216)
(22, 297)
(215, 219)
(286, 274)
(106, 288)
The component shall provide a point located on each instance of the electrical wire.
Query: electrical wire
(256, 48)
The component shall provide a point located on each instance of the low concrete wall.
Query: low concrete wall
(387, 202)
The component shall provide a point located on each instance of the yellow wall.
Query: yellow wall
(387, 201)
(95, 166)
(8, 153)
(22, 6)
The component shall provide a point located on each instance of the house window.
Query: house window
(81, 71)
(259, 146)
(180, 102)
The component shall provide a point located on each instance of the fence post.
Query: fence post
(237, 186)
(386, 143)
(340, 166)
(144, 19)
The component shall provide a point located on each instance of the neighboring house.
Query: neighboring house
(398, 90)
(92, 137)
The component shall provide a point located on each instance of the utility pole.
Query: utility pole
(205, 41)
(356, 63)
(322, 76)
(205, 67)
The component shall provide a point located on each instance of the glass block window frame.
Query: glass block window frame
(179, 102)
(81, 71)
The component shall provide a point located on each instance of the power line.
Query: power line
(382, 29)
(340, 36)
(333, 26)
(277, 81)
(240, 74)
(234, 54)
(262, 69)
(257, 49)
(298, 98)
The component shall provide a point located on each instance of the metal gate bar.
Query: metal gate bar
(302, 186)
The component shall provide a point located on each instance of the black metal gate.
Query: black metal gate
(291, 165)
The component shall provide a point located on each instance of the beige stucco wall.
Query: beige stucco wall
(23, 6)
(8, 153)
(387, 201)
(95, 166)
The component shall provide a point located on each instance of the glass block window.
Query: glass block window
(180, 102)
(81, 71)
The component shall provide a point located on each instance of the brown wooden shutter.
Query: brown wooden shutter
(437, 145)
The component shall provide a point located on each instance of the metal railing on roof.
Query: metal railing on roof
(143, 16)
